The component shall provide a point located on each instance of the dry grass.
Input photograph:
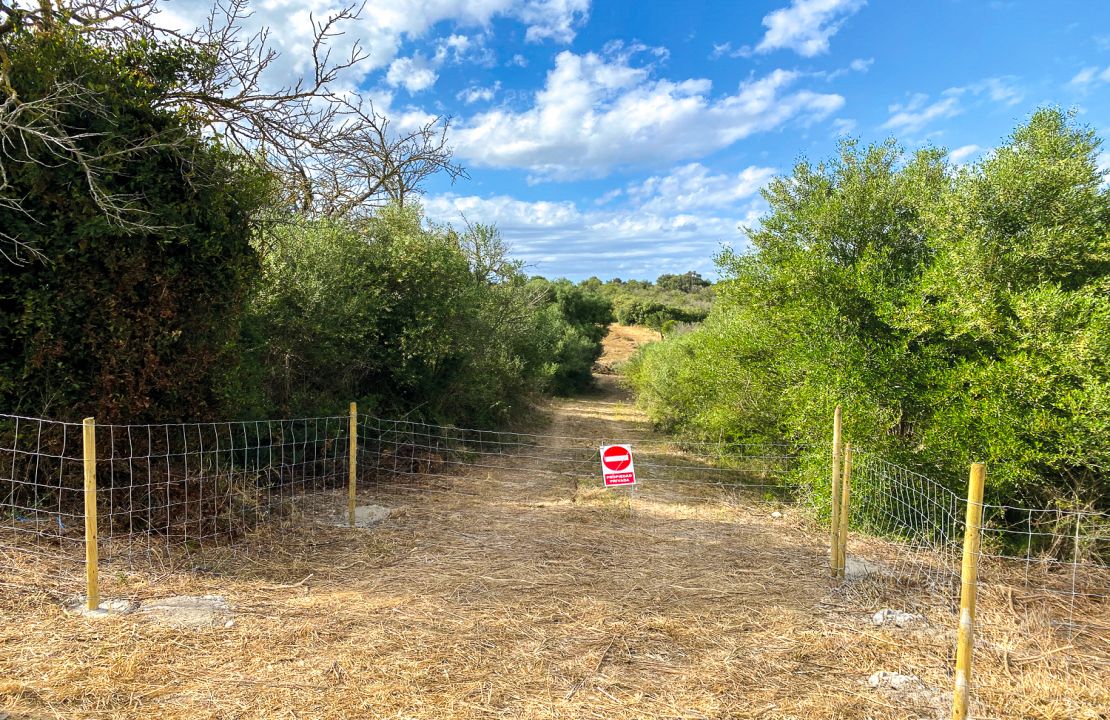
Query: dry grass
(523, 595)
(621, 343)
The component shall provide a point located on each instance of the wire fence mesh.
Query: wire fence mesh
(162, 489)
(167, 490)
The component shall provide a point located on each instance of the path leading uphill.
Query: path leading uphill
(517, 590)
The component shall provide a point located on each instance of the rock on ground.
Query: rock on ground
(193, 611)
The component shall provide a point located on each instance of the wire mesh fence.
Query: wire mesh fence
(404, 456)
(167, 490)
(161, 489)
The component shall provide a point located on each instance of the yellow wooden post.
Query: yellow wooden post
(352, 470)
(92, 579)
(969, 585)
(834, 497)
(845, 514)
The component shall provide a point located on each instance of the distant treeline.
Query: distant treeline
(958, 313)
(670, 301)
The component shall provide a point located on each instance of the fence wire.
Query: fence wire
(160, 488)
(166, 490)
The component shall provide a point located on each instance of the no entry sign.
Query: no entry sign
(616, 465)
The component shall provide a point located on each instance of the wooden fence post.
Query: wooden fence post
(969, 578)
(352, 466)
(92, 578)
(834, 498)
(845, 513)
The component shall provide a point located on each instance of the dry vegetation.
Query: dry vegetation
(621, 343)
(529, 594)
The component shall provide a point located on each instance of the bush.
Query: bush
(137, 325)
(408, 318)
(959, 316)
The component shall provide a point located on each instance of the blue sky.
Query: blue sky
(626, 139)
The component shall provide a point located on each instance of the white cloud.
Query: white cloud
(666, 223)
(609, 196)
(595, 114)
(806, 25)
(553, 19)
(1090, 76)
(382, 27)
(963, 152)
(693, 186)
(413, 73)
(1084, 77)
(622, 242)
(1103, 163)
(858, 65)
(518, 60)
(918, 112)
(844, 126)
(475, 93)
(998, 89)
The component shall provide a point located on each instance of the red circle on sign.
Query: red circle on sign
(616, 458)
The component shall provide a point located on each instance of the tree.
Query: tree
(959, 315)
(335, 154)
(136, 321)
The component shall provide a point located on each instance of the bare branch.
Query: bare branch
(336, 154)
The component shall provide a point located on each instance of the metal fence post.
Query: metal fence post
(92, 578)
(969, 578)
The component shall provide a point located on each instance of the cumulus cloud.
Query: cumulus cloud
(805, 26)
(665, 223)
(694, 186)
(621, 242)
(553, 19)
(596, 113)
(383, 26)
(413, 73)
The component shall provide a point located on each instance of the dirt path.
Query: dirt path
(524, 592)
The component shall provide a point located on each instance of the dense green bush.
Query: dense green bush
(127, 324)
(578, 319)
(671, 300)
(958, 314)
(414, 319)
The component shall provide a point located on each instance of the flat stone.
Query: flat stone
(370, 515)
(896, 617)
(194, 611)
(108, 606)
(855, 568)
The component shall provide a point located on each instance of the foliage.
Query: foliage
(578, 319)
(416, 319)
(958, 314)
(672, 299)
(127, 323)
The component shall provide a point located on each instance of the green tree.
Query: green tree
(127, 322)
(958, 314)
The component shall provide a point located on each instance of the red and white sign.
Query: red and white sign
(616, 465)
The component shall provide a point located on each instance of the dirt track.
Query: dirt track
(520, 593)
